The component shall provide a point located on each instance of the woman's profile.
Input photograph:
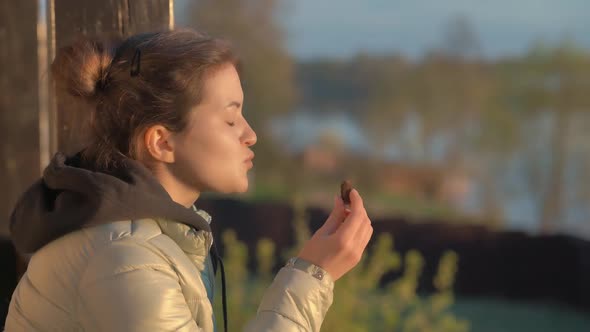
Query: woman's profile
(116, 242)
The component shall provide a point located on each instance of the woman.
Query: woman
(117, 242)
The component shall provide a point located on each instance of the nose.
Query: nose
(249, 137)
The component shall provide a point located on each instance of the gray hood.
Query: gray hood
(69, 197)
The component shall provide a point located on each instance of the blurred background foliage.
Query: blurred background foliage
(500, 141)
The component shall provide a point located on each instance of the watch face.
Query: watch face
(318, 274)
(303, 265)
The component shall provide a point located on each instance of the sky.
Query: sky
(343, 28)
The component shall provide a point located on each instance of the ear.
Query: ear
(159, 143)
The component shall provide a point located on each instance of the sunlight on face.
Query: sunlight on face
(213, 152)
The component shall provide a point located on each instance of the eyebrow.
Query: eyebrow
(234, 103)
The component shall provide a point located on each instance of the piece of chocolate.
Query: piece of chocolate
(345, 189)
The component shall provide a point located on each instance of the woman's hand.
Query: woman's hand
(338, 245)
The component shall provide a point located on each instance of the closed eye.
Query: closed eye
(231, 124)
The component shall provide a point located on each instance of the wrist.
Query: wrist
(308, 267)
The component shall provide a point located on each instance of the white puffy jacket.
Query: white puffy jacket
(144, 275)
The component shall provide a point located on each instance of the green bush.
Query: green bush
(360, 304)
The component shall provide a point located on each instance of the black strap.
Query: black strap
(213, 254)
(223, 290)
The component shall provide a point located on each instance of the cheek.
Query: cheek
(213, 149)
(216, 149)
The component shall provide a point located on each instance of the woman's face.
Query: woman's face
(213, 152)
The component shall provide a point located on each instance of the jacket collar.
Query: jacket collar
(195, 243)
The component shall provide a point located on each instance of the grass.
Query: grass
(500, 315)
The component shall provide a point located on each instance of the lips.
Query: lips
(250, 157)
(248, 160)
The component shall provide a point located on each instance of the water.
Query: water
(520, 205)
(497, 315)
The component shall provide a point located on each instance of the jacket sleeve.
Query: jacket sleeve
(131, 287)
(295, 301)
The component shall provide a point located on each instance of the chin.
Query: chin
(237, 188)
(242, 188)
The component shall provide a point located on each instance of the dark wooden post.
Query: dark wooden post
(33, 124)
(19, 125)
(19, 102)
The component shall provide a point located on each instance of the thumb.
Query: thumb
(335, 218)
(356, 202)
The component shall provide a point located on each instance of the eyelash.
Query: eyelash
(231, 124)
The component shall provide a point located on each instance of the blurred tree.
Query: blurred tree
(549, 84)
(388, 102)
(445, 92)
(430, 109)
(460, 38)
(328, 85)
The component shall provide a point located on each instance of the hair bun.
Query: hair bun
(81, 67)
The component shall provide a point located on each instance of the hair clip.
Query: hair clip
(135, 61)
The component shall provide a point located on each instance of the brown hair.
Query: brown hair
(148, 79)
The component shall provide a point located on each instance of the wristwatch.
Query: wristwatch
(305, 266)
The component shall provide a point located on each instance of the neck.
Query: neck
(178, 191)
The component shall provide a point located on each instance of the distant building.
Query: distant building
(435, 182)
(428, 181)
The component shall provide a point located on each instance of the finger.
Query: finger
(356, 202)
(369, 235)
(357, 215)
(366, 237)
(335, 218)
(346, 212)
